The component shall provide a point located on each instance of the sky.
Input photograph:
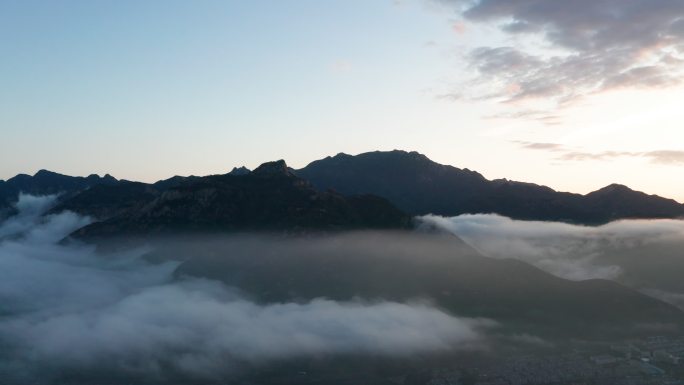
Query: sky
(574, 95)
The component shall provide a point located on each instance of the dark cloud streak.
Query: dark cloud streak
(595, 46)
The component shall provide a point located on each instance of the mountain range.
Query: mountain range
(420, 186)
(347, 186)
(270, 198)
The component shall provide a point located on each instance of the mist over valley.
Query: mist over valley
(258, 276)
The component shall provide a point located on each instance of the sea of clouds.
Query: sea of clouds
(67, 310)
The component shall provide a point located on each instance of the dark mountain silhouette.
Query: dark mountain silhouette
(240, 171)
(420, 186)
(106, 201)
(408, 180)
(401, 266)
(177, 180)
(270, 198)
(45, 183)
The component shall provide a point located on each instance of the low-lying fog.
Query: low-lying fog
(644, 254)
(66, 310)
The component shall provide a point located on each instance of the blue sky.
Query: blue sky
(148, 89)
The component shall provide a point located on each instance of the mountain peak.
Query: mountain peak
(403, 154)
(613, 188)
(275, 168)
(95, 178)
(239, 171)
(45, 173)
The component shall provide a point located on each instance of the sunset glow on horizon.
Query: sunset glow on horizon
(573, 95)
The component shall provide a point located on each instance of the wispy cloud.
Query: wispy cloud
(565, 153)
(546, 117)
(667, 156)
(603, 155)
(541, 146)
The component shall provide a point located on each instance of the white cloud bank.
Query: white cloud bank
(67, 310)
(565, 250)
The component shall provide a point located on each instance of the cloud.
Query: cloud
(67, 310)
(29, 209)
(541, 146)
(565, 250)
(603, 155)
(587, 46)
(459, 27)
(542, 116)
(197, 326)
(667, 157)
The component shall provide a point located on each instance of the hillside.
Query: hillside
(268, 199)
(420, 186)
(404, 266)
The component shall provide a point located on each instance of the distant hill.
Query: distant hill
(420, 186)
(270, 198)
